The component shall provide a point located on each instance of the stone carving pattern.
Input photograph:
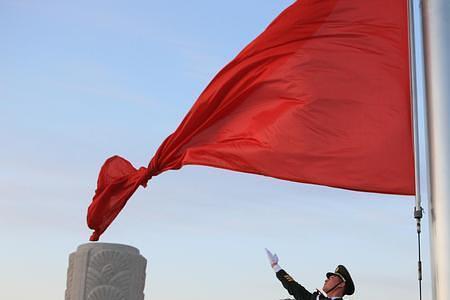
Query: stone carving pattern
(141, 280)
(108, 276)
(69, 277)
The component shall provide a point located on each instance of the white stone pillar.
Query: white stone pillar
(104, 271)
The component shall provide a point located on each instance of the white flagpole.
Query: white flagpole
(415, 121)
(436, 24)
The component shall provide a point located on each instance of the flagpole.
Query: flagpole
(414, 102)
(436, 24)
(415, 121)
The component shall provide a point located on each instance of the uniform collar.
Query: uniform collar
(323, 294)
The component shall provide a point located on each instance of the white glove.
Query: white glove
(273, 258)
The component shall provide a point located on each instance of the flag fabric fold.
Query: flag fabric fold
(322, 96)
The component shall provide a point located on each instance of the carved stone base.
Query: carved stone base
(103, 271)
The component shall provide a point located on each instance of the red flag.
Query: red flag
(321, 96)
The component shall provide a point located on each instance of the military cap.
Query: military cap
(343, 273)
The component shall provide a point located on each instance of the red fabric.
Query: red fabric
(321, 96)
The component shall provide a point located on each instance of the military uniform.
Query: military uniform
(300, 293)
(297, 290)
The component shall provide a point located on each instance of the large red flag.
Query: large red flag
(321, 96)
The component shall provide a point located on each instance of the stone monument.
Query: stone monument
(104, 271)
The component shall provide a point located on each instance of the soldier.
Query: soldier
(337, 284)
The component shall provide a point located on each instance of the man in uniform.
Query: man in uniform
(337, 284)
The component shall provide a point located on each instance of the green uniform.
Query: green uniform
(297, 290)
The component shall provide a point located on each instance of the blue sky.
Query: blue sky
(81, 81)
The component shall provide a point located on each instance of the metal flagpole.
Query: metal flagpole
(436, 24)
(415, 121)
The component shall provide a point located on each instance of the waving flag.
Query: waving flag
(321, 96)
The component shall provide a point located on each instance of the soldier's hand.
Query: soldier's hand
(273, 259)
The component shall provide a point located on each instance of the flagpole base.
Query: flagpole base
(105, 271)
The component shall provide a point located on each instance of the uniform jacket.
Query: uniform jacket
(297, 290)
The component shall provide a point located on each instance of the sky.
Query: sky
(81, 81)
